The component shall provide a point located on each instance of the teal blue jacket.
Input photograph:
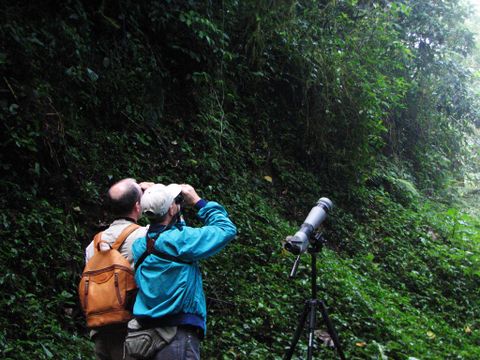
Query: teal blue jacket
(172, 290)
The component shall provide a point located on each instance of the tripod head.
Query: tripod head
(316, 243)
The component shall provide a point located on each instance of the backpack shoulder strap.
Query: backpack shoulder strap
(140, 260)
(125, 233)
(151, 250)
(96, 241)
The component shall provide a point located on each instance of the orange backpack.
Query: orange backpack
(107, 288)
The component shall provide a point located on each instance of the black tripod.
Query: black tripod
(310, 308)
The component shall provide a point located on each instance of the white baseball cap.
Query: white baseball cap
(157, 199)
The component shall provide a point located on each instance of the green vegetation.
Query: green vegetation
(264, 106)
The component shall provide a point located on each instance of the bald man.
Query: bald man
(124, 199)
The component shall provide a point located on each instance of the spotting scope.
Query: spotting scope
(298, 243)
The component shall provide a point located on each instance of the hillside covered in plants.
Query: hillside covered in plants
(264, 106)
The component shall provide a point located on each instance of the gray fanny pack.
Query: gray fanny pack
(144, 343)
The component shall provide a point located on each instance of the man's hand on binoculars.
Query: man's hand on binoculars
(190, 195)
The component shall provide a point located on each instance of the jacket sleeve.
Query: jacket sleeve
(193, 244)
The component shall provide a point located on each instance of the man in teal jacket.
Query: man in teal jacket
(168, 276)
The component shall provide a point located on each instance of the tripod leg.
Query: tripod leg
(331, 330)
(298, 332)
(311, 327)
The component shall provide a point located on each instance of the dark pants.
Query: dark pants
(184, 346)
(109, 343)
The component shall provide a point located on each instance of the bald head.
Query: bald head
(123, 197)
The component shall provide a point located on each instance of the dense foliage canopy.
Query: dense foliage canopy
(264, 106)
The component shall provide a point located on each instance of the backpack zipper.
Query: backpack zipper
(108, 268)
